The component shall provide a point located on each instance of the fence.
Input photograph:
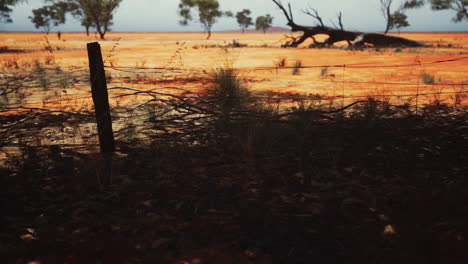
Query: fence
(339, 80)
(53, 82)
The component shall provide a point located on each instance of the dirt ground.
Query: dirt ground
(188, 59)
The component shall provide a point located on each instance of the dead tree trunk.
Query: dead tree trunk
(354, 38)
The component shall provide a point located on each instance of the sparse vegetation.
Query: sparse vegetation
(459, 95)
(96, 14)
(324, 71)
(208, 13)
(281, 62)
(263, 22)
(40, 71)
(428, 78)
(213, 166)
(243, 19)
(228, 94)
(297, 67)
(317, 153)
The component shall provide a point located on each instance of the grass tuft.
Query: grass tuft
(428, 78)
(281, 62)
(228, 93)
(297, 68)
(324, 71)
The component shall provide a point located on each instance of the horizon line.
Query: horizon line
(218, 31)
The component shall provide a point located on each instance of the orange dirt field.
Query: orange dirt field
(187, 60)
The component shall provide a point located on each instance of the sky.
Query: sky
(161, 15)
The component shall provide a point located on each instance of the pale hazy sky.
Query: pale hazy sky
(161, 15)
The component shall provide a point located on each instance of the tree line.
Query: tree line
(99, 14)
(208, 11)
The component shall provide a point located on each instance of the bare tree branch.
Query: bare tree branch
(288, 16)
(340, 22)
(314, 13)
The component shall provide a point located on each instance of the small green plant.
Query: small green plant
(281, 62)
(297, 68)
(459, 95)
(428, 78)
(130, 131)
(41, 73)
(228, 93)
(3, 101)
(155, 111)
(44, 83)
(324, 71)
(435, 102)
(304, 113)
(383, 97)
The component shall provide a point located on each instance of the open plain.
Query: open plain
(331, 155)
(186, 60)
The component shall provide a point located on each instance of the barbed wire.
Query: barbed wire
(378, 83)
(272, 96)
(364, 66)
(293, 97)
(352, 65)
(347, 82)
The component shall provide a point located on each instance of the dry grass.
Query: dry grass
(285, 172)
(175, 50)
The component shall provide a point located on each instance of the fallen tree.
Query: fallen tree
(335, 34)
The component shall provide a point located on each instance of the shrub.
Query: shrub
(281, 62)
(304, 113)
(130, 131)
(42, 78)
(427, 78)
(459, 95)
(228, 93)
(297, 67)
(324, 71)
(3, 100)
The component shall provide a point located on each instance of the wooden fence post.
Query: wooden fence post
(100, 98)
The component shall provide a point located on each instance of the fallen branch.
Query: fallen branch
(354, 38)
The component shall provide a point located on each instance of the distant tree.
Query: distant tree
(48, 16)
(78, 13)
(263, 22)
(413, 4)
(87, 23)
(5, 9)
(208, 13)
(99, 12)
(385, 8)
(399, 20)
(243, 19)
(459, 6)
(92, 13)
